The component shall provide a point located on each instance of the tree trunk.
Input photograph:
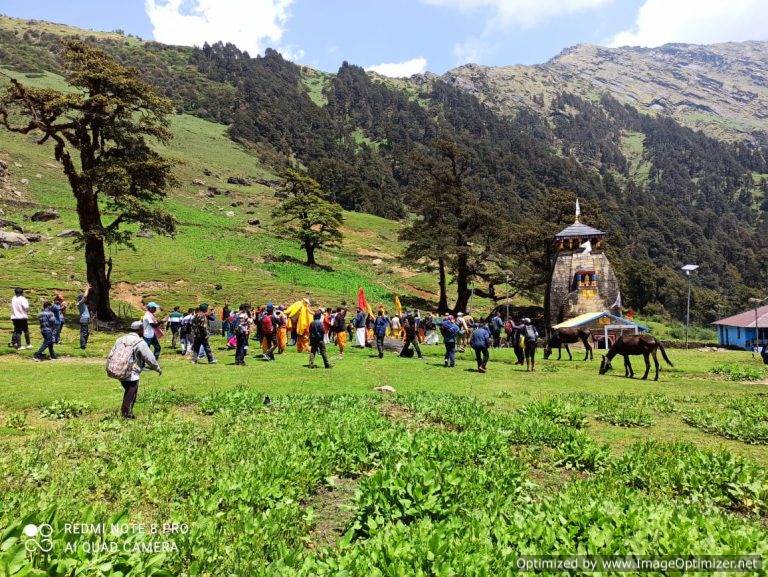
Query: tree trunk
(96, 271)
(310, 249)
(95, 257)
(462, 285)
(442, 304)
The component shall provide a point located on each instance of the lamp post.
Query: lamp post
(688, 268)
(757, 303)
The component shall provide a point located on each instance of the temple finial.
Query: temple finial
(578, 210)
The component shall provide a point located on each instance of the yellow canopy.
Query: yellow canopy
(300, 315)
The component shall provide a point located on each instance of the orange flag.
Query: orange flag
(362, 302)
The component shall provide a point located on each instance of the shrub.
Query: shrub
(739, 372)
(63, 409)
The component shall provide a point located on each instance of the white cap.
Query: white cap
(526, 320)
(135, 325)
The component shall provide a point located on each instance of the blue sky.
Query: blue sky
(412, 35)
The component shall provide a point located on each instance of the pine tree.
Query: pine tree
(312, 220)
(99, 133)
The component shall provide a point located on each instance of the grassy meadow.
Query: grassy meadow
(331, 477)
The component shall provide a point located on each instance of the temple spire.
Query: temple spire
(578, 210)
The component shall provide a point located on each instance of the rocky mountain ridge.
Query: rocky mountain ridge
(721, 89)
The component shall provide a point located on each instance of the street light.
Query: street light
(688, 268)
(757, 303)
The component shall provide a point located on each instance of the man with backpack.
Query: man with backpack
(530, 335)
(200, 333)
(480, 341)
(48, 326)
(128, 358)
(449, 330)
(185, 331)
(317, 341)
(494, 326)
(380, 326)
(411, 328)
(268, 333)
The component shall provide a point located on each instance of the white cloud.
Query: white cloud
(696, 21)
(249, 24)
(401, 69)
(471, 50)
(522, 13)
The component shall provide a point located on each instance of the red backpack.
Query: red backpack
(267, 328)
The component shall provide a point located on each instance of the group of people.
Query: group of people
(276, 328)
(51, 320)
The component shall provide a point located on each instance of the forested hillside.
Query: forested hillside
(665, 193)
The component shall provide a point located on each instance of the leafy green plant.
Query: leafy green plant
(682, 470)
(63, 409)
(739, 372)
(556, 410)
(17, 421)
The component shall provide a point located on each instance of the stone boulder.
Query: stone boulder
(385, 389)
(33, 236)
(69, 233)
(8, 239)
(239, 180)
(254, 222)
(45, 215)
(198, 182)
(3, 169)
(9, 224)
(143, 233)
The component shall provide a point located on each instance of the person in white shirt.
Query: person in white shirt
(151, 328)
(20, 319)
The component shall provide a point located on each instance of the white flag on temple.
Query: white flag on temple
(587, 246)
(617, 304)
(578, 209)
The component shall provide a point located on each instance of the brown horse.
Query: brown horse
(564, 337)
(625, 346)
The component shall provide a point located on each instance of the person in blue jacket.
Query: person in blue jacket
(494, 326)
(449, 330)
(380, 326)
(481, 342)
(48, 326)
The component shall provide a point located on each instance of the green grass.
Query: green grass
(633, 147)
(332, 476)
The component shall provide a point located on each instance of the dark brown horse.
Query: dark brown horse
(564, 337)
(625, 346)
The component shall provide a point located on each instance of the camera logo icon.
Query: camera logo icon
(39, 538)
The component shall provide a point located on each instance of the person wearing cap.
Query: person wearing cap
(151, 328)
(142, 359)
(449, 330)
(200, 333)
(531, 335)
(461, 322)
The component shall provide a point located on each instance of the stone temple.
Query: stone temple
(583, 280)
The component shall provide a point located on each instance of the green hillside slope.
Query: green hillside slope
(217, 255)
